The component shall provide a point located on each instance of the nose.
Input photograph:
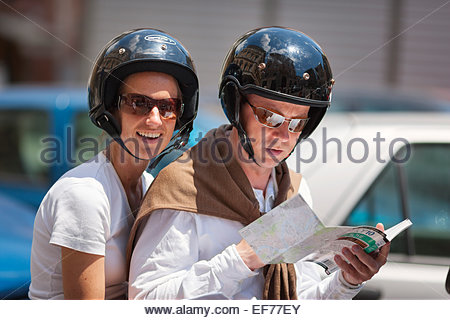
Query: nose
(153, 118)
(282, 132)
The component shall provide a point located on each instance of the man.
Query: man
(276, 87)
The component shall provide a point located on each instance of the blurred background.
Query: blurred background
(387, 56)
(391, 43)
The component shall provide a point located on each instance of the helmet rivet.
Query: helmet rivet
(306, 76)
(121, 51)
(262, 66)
(164, 47)
(332, 82)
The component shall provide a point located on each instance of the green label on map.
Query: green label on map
(365, 238)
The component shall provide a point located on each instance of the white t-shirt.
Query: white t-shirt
(183, 255)
(85, 210)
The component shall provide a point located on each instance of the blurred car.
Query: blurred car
(16, 226)
(369, 167)
(34, 120)
(45, 132)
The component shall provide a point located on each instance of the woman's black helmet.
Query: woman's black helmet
(280, 64)
(135, 51)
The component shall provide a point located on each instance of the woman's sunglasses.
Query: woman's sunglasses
(140, 104)
(274, 120)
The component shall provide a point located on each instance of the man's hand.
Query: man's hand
(362, 266)
(248, 255)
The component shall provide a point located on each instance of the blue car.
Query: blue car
(16, 229)
(44, 133)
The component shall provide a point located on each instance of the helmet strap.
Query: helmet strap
(179, 140)
(245, 141)
(231, 98)
(107, 122)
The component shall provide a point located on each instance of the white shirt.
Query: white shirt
(182, 255)
(85, 210)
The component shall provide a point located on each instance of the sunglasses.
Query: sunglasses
(274, 120)
(140, 104)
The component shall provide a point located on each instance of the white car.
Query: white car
(369, 167)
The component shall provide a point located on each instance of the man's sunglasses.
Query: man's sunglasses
(274, 120)
(140, 104)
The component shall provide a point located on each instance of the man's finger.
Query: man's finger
(384, 251)
(354, 261)
(369, 262)
(346, 267)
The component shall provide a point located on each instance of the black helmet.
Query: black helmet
(135, 51)
(280, 64)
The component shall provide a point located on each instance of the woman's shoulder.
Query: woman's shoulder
(93, 168)
(89, 178)
(74, 198)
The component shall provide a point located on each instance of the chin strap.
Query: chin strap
(231, 103)
(245, 141)
(107, 122)
(179, 140)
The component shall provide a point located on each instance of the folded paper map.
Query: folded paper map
(292, 231)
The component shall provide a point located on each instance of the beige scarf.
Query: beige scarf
(209, 180)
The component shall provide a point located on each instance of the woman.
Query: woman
(143, 87)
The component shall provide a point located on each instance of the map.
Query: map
(292, 231)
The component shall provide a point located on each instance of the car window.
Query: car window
(21, 131)
(381, 203)
(428, 181)
(427, 184)
(89, 140)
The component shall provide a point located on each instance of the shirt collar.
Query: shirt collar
(266, 203)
